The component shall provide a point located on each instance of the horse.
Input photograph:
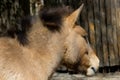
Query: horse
(42, 43)
(85, 61)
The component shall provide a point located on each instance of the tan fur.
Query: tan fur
(80, 30)
(35, 61)
(41, 56)
(79, 56)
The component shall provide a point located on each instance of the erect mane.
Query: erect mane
(50, 17)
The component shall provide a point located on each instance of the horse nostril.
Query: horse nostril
(93, 69)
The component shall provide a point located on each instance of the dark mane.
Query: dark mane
(50, 17)
(24, 26)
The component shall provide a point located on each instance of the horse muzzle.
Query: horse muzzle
(91, 71)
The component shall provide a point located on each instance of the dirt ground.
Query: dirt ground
(98, 76)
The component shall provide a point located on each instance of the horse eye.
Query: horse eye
(85, 37)
(86, 52)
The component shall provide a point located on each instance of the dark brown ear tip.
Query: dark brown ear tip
(81, 6)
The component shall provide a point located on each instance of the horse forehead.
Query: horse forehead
(78, 29)
(79, 42)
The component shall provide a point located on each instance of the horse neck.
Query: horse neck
(38, 34)
(46, 46)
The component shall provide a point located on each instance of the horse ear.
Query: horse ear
(72, 18)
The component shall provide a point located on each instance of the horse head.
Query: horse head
(79, 55)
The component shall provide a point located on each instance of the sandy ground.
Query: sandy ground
(98, 76)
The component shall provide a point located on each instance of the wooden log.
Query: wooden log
(114, 57)
(118, 27)
(104, 32)
(109, 31)
(98, 31)
(91, 22)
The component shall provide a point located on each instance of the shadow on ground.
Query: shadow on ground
(98, 76)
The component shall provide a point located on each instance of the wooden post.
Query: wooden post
(117, 10)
